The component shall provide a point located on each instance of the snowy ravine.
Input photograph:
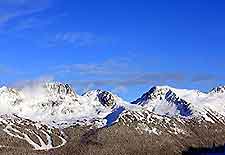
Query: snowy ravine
(39, 136)
(34, 113)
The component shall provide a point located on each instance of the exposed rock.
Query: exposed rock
(152, 94)
(219, 89)
(59, 88)
(106, 98)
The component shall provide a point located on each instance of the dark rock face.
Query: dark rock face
(220, 89)
(213, 150)
(181, 104)
(150, 95)
(106, 98)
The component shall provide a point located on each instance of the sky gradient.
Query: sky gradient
(122, 46)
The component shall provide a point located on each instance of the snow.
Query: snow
(24, 136)
(163, 108)
(54, 108)
(56, 104)
(196, 103)
(12, 129)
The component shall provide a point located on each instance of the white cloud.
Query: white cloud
(120, 89)
(78, 39)
(108, 67)
(11, 9)
(32, 82)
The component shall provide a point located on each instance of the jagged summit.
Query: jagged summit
(163, 100)
(60, 88)
(219, 89)
(59, 102)
(156, 92)
(9, 97)
(105, 97)
(162, 109)
(159, 93)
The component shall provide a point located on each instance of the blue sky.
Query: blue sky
(122, 46)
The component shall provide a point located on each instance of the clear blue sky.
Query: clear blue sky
(125, 46)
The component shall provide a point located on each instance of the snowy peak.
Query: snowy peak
(164, 101)
(155, 93)
(106, 98)
(218, 90)
(181, 105)
(8, 90)
(59, 88)
(57, 102)
(10, 97)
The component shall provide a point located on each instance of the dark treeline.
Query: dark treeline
(214, 150)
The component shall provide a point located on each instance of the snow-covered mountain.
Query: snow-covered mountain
(165, 100)
(218, 90)
(57, 103)
(34, 113)
(48, 108)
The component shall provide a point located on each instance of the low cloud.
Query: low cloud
(32, 82)
(106, 68)
(117, 74)
(77, 39)
(163, 77)
(121, 74)
(134, 80)
(203, 78)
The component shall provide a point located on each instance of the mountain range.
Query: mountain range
(45, 118)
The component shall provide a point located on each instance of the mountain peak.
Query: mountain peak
(163, 100)
(156, 92)
(106, 98)
(60, 88)
(219, 89)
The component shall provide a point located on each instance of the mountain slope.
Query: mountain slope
(165, 100)
(47, 117)
(56, 103)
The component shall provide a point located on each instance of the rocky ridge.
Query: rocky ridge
(40, 119)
